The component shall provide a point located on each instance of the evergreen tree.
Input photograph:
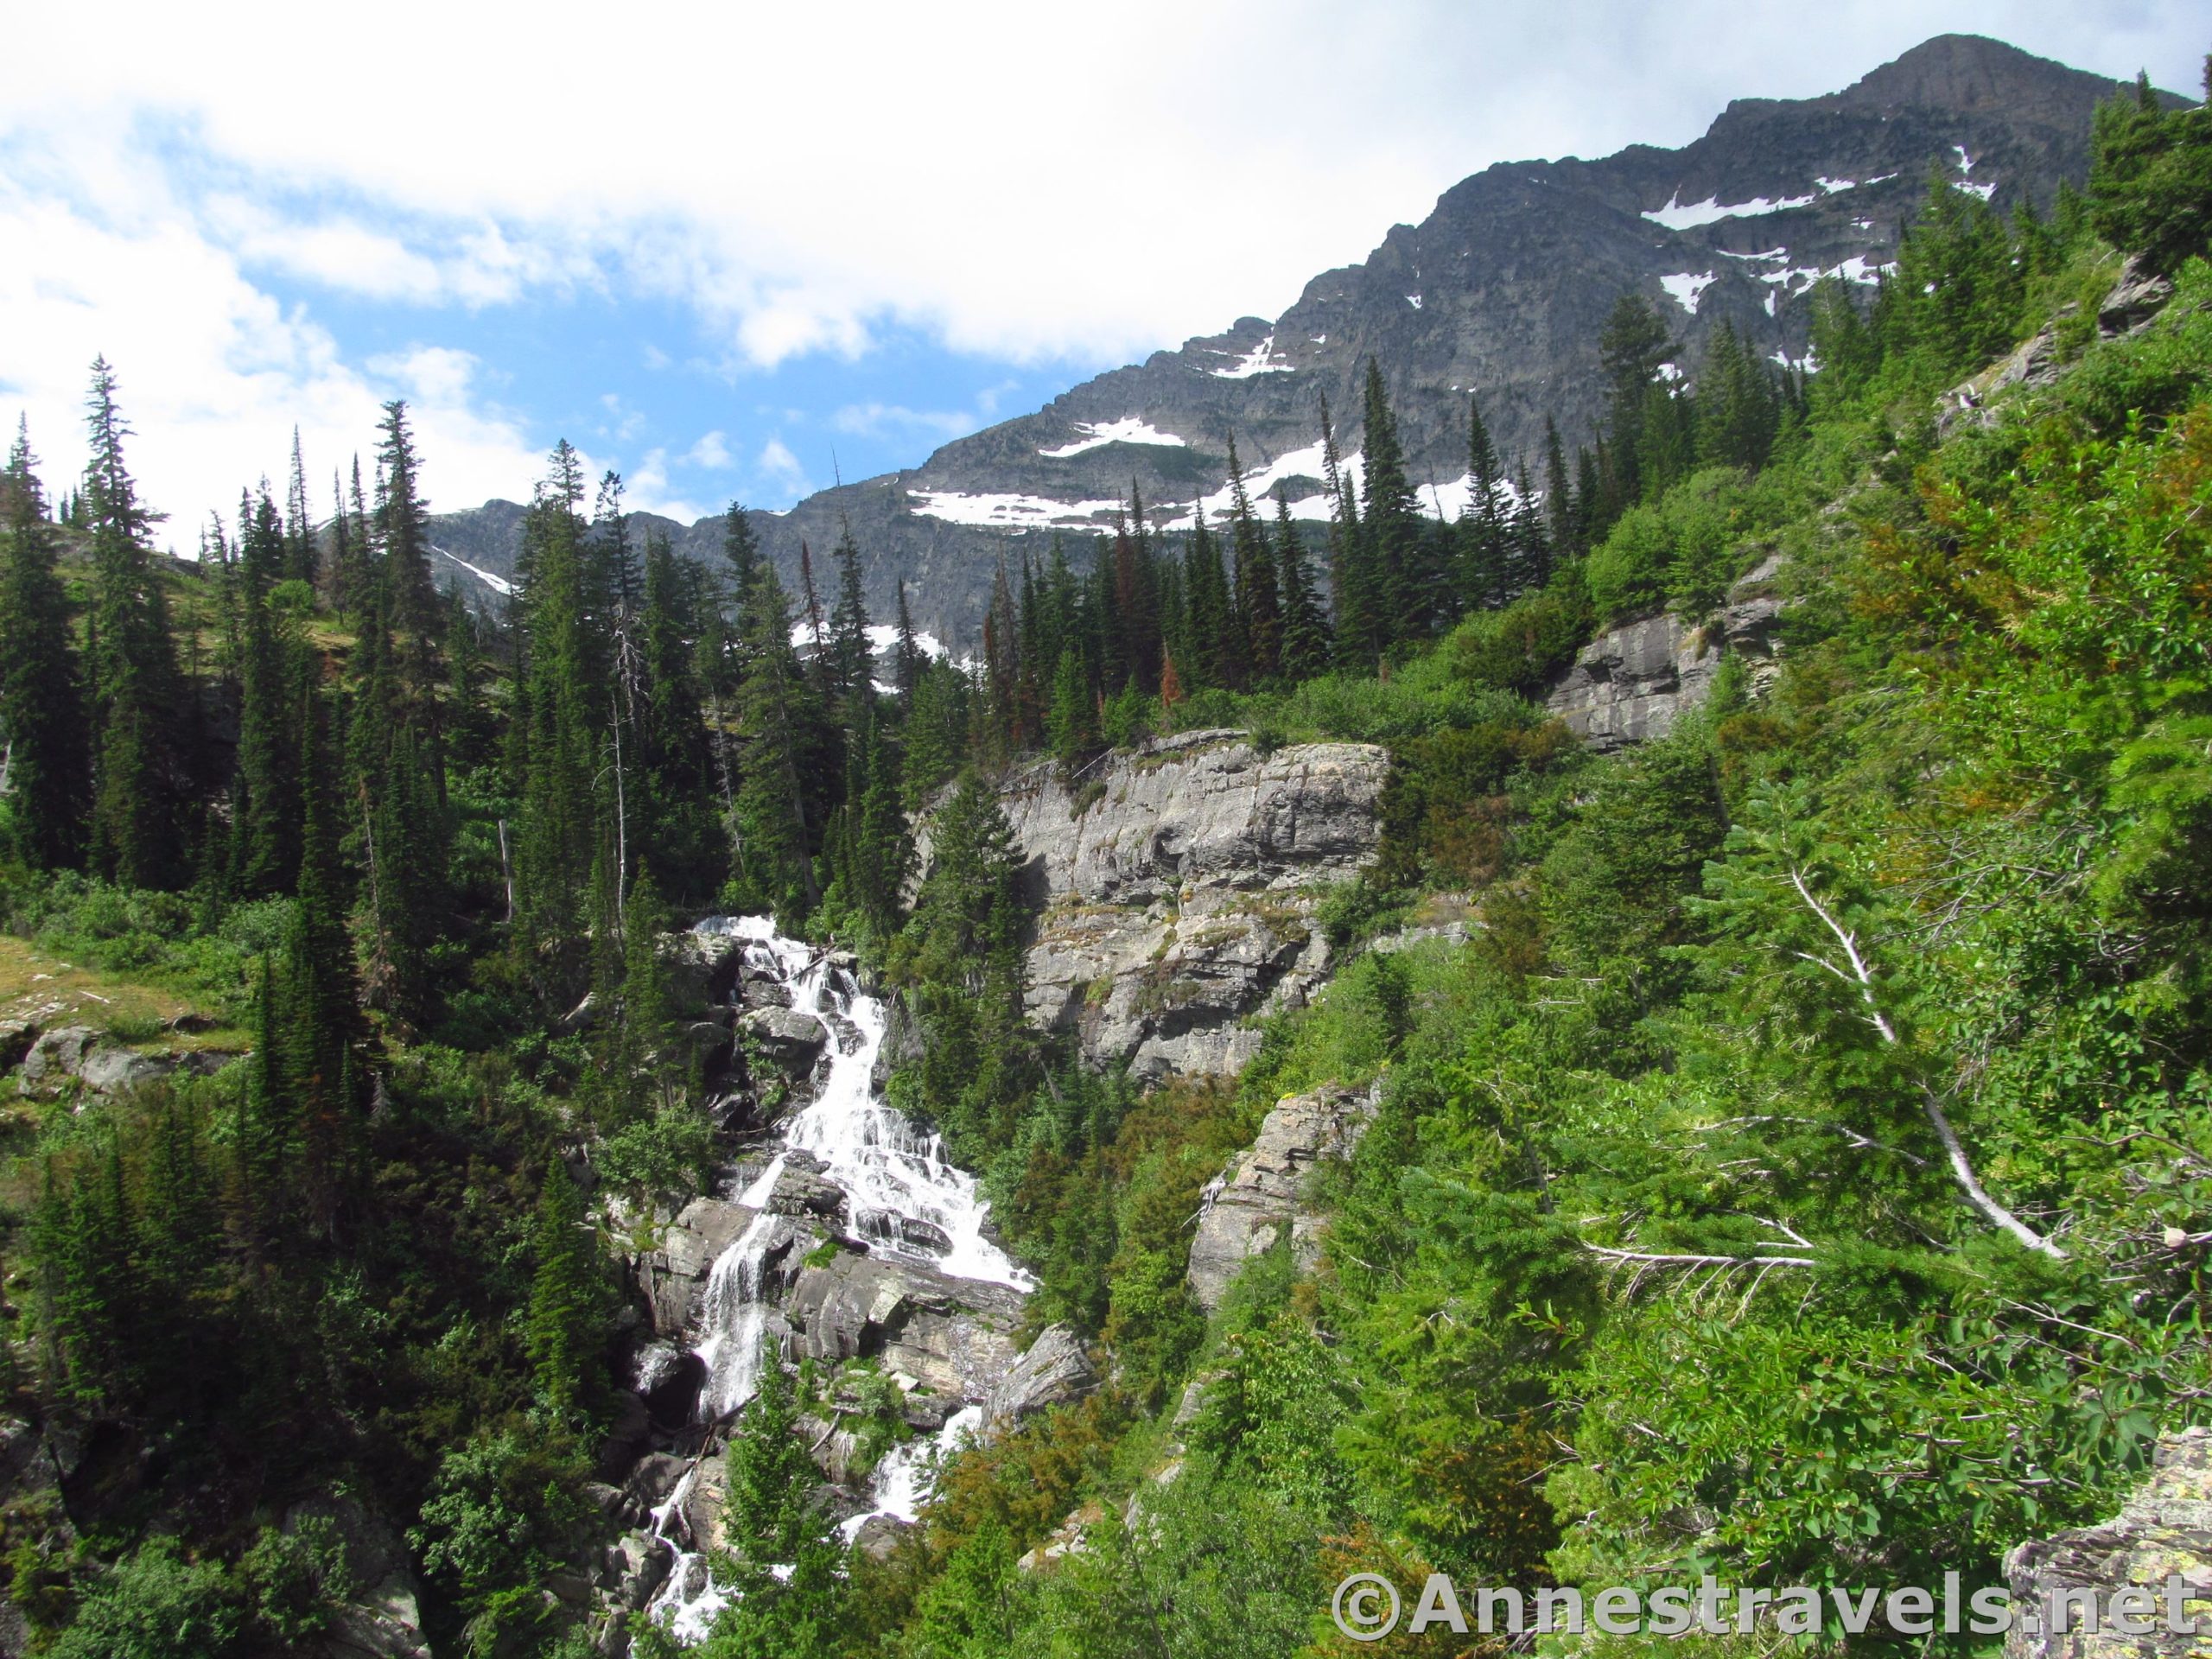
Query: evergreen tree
(266, 805)
(2151, 175)
(1561, 517)
(851, 662)
(785, 1572)
(1390, 519)
(1633, 345)
(907, 658)
(775, 852)
(1216, 650)
(1305, 643)
(138, 773)
(323, 994)
(677, 768)
(1483, 530)
(1259, 595)
(1352, 577)
(566, 1295)
(1073, 730)
(300, 563)
(42, 719)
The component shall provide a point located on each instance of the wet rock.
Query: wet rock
(834, 1448)
(1055, 1371)
(785, 1037)
(703, 969)
(879, 1535)
(649, 1484)
(803, 1189)
(674, 1274)
(1259, 1200)
(953, 1335)
(2164, 1528)
(626, 1435)
(632, 1567)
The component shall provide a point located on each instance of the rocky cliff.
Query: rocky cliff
(1501, 289)
(1177, 885)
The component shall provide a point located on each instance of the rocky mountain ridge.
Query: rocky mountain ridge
(1502, 290)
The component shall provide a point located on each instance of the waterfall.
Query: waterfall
(904, 1195)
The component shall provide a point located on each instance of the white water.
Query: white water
(903, 1195)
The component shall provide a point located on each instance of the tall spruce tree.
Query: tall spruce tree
(775, 835)
(42, 720)
(1305, 643)
(1259, 596)
(1390, 519)
(138, 764)
(1482, 532)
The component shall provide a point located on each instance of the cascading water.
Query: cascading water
(904, 1195)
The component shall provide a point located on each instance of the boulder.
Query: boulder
(632, 1567)
(382, 1617)
(16, 1037)
(94, 1058)
(804, 1190)
(952, 1334)
(2164, 1530)
(785, 1037)
(879, 1535)
(1055, 1371)
(674, 1274)
(1259, 1200)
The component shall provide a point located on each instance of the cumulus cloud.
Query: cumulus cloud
(781, 468)
(712, 452)
(958, 175)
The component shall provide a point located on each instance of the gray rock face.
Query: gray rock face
(1179, 885)
(1055, 1371)
(93, 1059)
(953, 1335)
(803, 1191)
(383, 1619)
(2164, 1529)
(1250, 1206)
(791, 1039)
(1504, 286)
(1632, 683)
(674, 1274)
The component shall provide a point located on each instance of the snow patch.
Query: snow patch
(1130, 429)
(1257, 361)
(1011, 512)
(1679, 215)
(1686, 287)
(1413, 300)
(497, 584)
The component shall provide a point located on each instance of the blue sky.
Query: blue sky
(717, 246)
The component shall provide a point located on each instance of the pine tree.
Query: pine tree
(42, 717)
(790, 1594)
(300, 560)
(1216, 650)
(557, 737)
(135, 689)
(850, 659)
(1352, 580)
(562, 1330)
(677, 769)
(1259, 596)
(1561, 517)
(775, 853)
(1390, 520)
(404, 529)
(1633, 345)
(1483, 530)
(1305, 643)
(908, 659)
(323, 992)
(266, 806)
(1073, 730)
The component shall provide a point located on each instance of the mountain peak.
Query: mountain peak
(1972, 75)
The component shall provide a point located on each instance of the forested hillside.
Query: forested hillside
(1796, 1167)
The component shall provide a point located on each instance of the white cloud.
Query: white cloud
(781, 468)
(712, 452)
(141, 195)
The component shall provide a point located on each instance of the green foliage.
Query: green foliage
(155, 1604)
(2151, 176)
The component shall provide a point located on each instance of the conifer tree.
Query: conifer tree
(323, 993)
(561, 1329)
(558, 741)
(1482, 532)
(775, 852)
(908, 659)
(790, 1594)
(1259, 596)
(1217, 651)
(676, 768)
(1633, 345)
(1390, 520)
(1352, 580)
(1072, 729)
(42, 720)
(1305, 643)
(850, 659)
(403, 530)
(266, 806)
(136, 753)
(300, 561)
(1561, 519)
